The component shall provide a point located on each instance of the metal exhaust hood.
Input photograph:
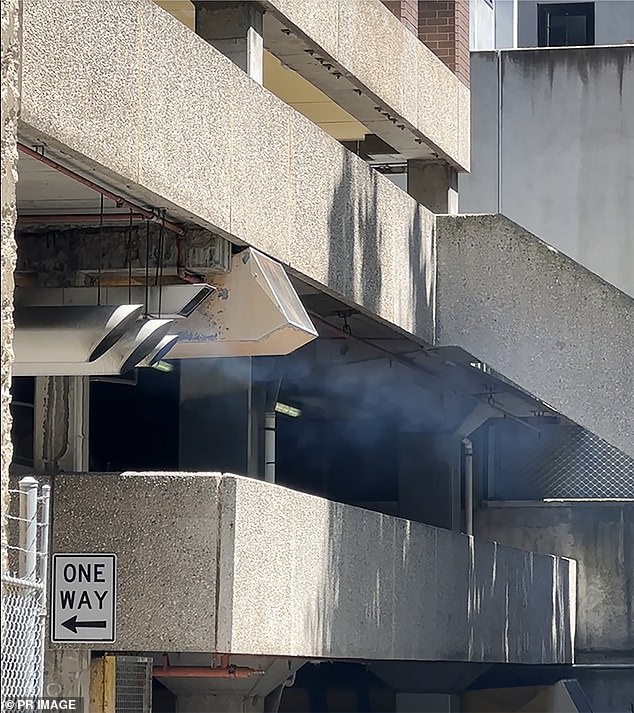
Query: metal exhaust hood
(170, 301)
(254, 311)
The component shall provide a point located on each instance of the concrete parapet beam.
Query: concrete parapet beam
(414, 102)
(168, 122)
(540, 319)
(237, 565)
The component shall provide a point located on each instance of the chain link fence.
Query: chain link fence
(24, 592)
(557, 461)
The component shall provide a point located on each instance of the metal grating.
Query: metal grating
(582, 465)
(562, 461)
(133, 684)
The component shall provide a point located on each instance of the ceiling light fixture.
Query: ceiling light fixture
(287, 410)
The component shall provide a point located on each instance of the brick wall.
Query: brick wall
(406, 11)
(443, 25)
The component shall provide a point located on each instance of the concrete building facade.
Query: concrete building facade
(260, 359)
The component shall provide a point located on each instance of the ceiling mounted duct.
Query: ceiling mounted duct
(69, 334)
(171, 301)
(49, 350)
(254, 311)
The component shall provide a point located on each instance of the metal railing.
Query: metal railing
(24, 589)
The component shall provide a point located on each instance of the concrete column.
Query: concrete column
(67, 674)
(429, 479)
(10, 110)
(434, 184)
(61, 426)
(235, 29)
(219, 703)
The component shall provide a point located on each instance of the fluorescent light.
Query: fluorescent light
(287, 410)
(164, 366)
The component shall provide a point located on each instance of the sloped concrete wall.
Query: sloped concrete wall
(540, 319)
(225, 563)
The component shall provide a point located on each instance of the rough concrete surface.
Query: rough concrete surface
(202, 131)
(187, 140)
(557, 125)
(540, 319)
(164, 528)
(599, 538)
(415, 86)
(10, 109)
(291, 574)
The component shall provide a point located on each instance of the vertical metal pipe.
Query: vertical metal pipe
(45, 504)
(27, 564)
(468, 485)
(269, 446)
(490, 494)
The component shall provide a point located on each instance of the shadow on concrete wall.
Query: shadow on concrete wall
(388, 593)
(360, 252)
(355, 233)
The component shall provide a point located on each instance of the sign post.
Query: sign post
(83, 598)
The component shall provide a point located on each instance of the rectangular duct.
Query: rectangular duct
(173, 301)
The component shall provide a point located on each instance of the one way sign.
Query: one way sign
(83, 597)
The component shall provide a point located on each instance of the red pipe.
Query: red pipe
(79, 218)
(225, 670)
(118, 200)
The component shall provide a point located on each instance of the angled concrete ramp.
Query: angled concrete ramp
(538, 318)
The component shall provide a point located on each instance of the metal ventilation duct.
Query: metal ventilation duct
(171, 301)
(254, 311)
(85, 341)
(69, 334)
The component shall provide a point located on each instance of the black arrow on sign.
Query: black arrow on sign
(72, 624)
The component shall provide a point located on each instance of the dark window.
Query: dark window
(566, 24)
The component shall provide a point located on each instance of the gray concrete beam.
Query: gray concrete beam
(68, 253)
(540, 319)
(423, 108)
(238, 565)
(168, 121)
(434, 184)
